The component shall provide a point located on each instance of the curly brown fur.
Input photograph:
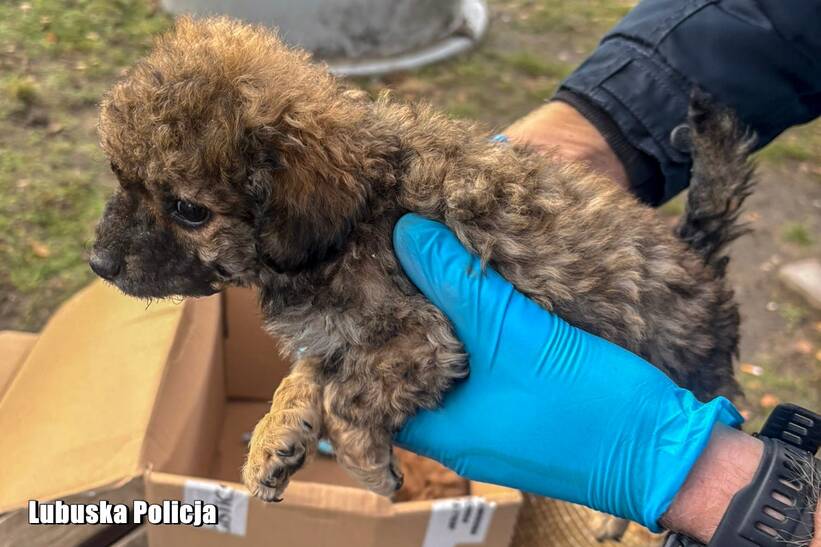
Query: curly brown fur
(304, 181)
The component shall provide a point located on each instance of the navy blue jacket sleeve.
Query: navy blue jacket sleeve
(760, 57)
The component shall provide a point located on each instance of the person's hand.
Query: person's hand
(548, 408)
(558, 128)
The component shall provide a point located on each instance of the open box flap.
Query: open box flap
(188, 406)
(76, 414)
(313, 515)
(14, 347)
(316, 514)
(306, 496)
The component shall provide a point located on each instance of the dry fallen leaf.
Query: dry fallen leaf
(768, 400)
(803, 346)
(749, 368)
(40, 250)
(414, 86)
(54, 128)
(753, 385)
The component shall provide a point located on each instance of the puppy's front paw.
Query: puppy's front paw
(280, 445)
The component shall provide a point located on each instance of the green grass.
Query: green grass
(794, 384)
(534, 65)
(799, 144)
(70, 49)
(675, 207)
(467, 110)
(794, 315)
(105, 32)
(571, 17)
(56, 59)
(21, 92)
(798, 234)
(786, 150)
(51, 201)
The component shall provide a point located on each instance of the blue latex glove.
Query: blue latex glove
(549, 408)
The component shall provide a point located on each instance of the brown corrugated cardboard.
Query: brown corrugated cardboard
(252, 362)
(317, 515)
(76, 414)
(14, 347)
(15, 530)
(114, 391)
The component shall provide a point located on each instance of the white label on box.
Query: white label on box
(232, 505)
(461, 520)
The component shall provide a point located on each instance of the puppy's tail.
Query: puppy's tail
(722, 178)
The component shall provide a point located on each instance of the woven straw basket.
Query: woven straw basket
(549, 523)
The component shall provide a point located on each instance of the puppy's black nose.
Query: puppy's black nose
(104, 265)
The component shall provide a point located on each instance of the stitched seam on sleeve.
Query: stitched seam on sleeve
(688, 10)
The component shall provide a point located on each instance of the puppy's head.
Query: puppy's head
(233, 154)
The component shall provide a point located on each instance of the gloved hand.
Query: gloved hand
(548, 408)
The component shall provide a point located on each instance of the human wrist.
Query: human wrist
(558, 128)
(727, 465)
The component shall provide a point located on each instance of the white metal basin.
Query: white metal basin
(359, 37)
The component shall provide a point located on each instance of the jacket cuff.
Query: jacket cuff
(643, 171)
(638, 101)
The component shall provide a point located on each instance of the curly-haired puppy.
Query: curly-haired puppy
(241, 163)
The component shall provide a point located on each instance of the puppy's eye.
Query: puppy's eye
(190, 214)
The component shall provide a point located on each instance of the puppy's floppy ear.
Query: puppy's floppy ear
(304, 198)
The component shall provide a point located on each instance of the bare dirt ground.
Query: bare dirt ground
(780, 332)
(57, 56)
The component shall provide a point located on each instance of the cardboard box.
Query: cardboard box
(116, 398)
(14, 348)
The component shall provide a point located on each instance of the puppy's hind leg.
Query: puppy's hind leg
(611, 529)
(381, 388)
(286, 437)
(365, 453)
